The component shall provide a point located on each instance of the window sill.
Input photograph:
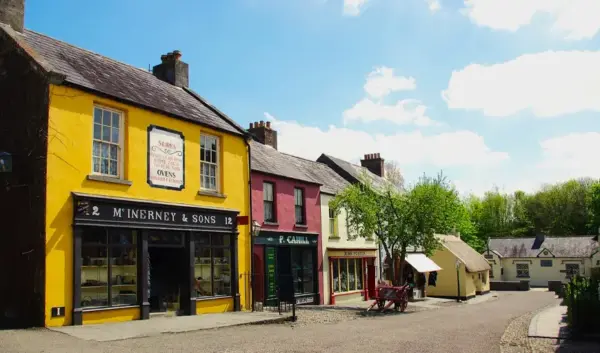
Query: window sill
(211, 193)
(303, 226)
(523, 277)
(107, 308)
(201, 299)
(337, 294)
(107, 179)
(334, 237)
(265, 223)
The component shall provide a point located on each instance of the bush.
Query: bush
(583, 304)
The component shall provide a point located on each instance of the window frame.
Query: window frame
(211, 246)
(216, 164)
(120, 146)
(333, 225)
(358, 269)
(527, 275)
(545, 262)
(303, 207)
(301, 251)
(273, 209)
(568, 273)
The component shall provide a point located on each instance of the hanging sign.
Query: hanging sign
(5, 162)
(166, 158)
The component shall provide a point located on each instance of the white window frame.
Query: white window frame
(217, 164)
(120, 145)
(528, 269)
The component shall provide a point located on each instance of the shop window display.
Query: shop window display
(347, 275)
(303, 271)
(109, 267)
(212, 267)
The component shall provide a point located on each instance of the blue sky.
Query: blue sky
(494, 93)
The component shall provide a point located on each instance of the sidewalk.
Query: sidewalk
(550, 323)
(160, 325)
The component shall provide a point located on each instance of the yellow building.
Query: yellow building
(461, 266)
(541, 259)
(136, 192)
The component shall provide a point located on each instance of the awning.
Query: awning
(422, 263)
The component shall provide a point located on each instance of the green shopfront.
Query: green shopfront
(286, 261)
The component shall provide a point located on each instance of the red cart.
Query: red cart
(392, 295)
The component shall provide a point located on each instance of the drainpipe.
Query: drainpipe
(250, 225)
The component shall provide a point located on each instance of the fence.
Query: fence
(271, 294)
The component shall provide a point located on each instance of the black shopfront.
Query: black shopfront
(153, 256)
(286, 264)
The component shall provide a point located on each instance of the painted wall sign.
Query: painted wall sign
(166, 158)
(305, 300)
(270, 266)
(275, 238)
(134, 214)
(352, 253)
(5, 162)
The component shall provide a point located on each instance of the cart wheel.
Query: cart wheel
(403, 304)
(396, 306)
(380, 304)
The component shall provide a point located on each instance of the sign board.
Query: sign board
(289, 239)
(166, 158)
(305, 300)
(352, 253)
(270, 266)
(5, 162)
(90, 211)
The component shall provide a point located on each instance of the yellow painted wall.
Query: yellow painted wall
(214, 306)
(538, 275)
(112, 315)
(70, 162)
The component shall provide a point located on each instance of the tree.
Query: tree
(393, 174)
(400, 219)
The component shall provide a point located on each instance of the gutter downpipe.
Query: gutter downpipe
(250, 223)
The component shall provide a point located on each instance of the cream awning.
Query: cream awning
(422, 263)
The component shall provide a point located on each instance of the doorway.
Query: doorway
(167, 278)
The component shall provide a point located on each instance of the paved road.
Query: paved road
(465, 329)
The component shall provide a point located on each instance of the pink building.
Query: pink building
(286, 204)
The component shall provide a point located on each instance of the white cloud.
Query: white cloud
(434, 5)
(459, 148)
(381, 82)
(407, 111)
(353, 7)
(574, 19)
(570, 156)
(550, 83)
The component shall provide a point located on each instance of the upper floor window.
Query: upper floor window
(269, 204)
(333, 228)
(299, 205)
(108, 143)
(209, 162)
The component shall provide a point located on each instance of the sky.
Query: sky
(494, 93)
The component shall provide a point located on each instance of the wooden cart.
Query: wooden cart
(386, 295)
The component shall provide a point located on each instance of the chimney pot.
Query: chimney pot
(172, 70)
(268, 124)
(251, 125)
(176, 54)
(374, 164)
(262, 123)
(263, 133)
(12, 13)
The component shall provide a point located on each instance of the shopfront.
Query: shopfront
(352, 274)
(286, 261)
(135, 257)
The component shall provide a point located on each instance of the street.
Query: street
(464, 328)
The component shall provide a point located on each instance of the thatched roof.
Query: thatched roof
(473, 261)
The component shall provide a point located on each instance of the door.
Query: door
(371, 278)
(285, 280)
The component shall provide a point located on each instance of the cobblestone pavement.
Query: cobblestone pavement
(460, 328)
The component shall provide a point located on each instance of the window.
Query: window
(522, 270)
(333, 226)
(108, 143)
(212, 265)
(109, 267)
(299, 205)
(303, 271)
(491, 271)
(347, 275)
(572, 270)
(268, 200)
(209, 163)
(546, 263)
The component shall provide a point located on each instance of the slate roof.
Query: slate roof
(268, 160)
(352, 171)
(474, 261)
(575, 246)
(97, 73)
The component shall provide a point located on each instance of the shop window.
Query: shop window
(299, 205)
(269, 202)
(333, 226)
(209, 163)
(303, 271)
(107, 149)
(212, 264)
(109, 267)
(347, 275)
(546, 263)
(522, 270)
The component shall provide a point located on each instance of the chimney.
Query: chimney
(12, 13)
(263, 133)
(539, 240)
(374, 163)
(172, 69)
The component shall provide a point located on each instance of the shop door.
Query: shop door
(371, 278)
(285, 280)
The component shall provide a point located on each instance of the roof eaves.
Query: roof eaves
(286, 177)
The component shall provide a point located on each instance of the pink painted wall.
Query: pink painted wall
(285, 210)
